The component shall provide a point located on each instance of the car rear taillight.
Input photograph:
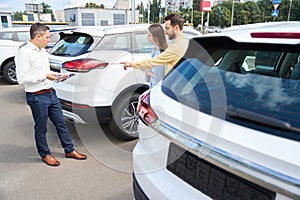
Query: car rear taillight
(279, 35)
(145, 112)
(83, 65)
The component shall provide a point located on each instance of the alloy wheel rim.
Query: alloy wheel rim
(12, 73)
(129, 119)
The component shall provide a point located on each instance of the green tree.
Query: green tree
(47, 9)
(253, 11)
(154, 11)
(142, 12)
(266, 8)
(196, 5)
(18, 16)
(196, 18)
(223, 20)
(244, 13)
(244, 17)
(186, 14)
(295, 11)
(94, 5)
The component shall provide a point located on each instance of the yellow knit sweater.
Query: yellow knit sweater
(169, 57)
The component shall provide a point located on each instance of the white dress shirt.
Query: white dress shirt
(32, 65)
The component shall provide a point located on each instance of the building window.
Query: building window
(104, 22)
(4, 21)
(119, 19)
(88, 19)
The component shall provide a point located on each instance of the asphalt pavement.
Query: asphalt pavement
(106, 174)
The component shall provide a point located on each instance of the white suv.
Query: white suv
(10, 40)
(225, 122)
(101, 90)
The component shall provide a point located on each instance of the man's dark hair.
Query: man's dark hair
(38, 28)
(175, 19)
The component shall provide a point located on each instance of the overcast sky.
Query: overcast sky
(19, 5)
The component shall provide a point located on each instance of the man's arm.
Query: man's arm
(168, 56)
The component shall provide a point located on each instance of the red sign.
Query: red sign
(205, 6)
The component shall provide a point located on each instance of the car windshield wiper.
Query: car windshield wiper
(259, 118)
(61, 54)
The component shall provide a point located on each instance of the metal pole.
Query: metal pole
(166, 10)
(148, 6)
(207, 19)
(133, 11)
(192, 17)
(232, 11)
(290, 10)
(202, 30)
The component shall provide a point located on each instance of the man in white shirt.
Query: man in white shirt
(33, 71)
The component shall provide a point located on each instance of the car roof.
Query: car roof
(27, 28)
(15, 29)
(102, 30)
(269, 32)
(61, 29)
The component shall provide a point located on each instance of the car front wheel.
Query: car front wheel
(9, 72)
(124, 123)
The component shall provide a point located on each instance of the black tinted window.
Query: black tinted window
(72, 45)
(231, 84)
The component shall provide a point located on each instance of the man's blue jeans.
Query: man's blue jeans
(44, 106)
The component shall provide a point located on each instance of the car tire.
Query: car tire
(124, 123)
(9, 72)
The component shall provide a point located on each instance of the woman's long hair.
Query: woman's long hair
(158, 35)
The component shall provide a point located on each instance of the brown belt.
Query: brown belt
(43, 91)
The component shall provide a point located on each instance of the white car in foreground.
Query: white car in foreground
(225, 122)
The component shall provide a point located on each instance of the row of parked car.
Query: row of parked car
(10, 40)
(222, 124)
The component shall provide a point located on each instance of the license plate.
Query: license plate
(212, 180)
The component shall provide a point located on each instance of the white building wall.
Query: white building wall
(100, 16)
(122, 4)
(174, 5)
(5, 13)
(59, 15)
(43, 17)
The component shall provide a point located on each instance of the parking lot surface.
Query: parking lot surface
(106, 174)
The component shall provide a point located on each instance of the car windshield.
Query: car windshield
(254, 85)
(72, 45)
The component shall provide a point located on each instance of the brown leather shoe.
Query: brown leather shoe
(51, 160)
(76, 155)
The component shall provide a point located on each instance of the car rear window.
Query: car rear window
(115, 42)
(72, 45)
(254, 85)
(6, 35)
(23, 36)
